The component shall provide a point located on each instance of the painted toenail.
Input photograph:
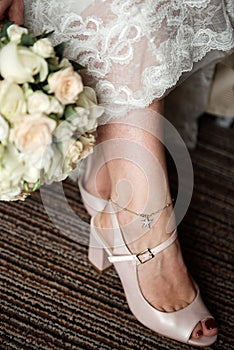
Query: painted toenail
(199, 333)
(210, 324)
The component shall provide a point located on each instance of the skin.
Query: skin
(12, 10)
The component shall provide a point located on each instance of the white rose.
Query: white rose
(27, 90)
(66, 84)
(38, 102)
(53, 170)
(55, 107)
(80, 122)
(20, 64)
(12, 164)
(87, 98)
(12, 100)
(32, 174)
(2, 150)
(64, 131)
(15, 32)
(87, 111)
(44, 48)
(9, 192)
(11, 174)
(4, 129)
(32, 137)
(84, 121)
(41, 158)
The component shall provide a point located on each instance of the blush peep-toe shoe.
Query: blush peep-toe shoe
(176, 325)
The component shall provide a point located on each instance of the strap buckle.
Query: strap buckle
(145, 256)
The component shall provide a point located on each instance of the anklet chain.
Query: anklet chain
(147, 218)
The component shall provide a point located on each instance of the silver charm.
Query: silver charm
(147, 221)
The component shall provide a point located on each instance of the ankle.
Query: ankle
(138, 236)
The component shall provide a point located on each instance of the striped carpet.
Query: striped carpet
(50, 296)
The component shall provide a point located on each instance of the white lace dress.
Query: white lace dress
(136, 51)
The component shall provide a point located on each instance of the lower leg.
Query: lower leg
(137, 173)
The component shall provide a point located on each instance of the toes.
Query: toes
(209, 327)
(198, 331)
(166, 308)
(180, 306)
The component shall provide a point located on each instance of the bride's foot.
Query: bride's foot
(135, 161)
(164, 280)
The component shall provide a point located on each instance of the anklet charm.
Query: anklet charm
(147, 218)
(147, 221)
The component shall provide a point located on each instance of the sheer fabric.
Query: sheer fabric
(136, 51)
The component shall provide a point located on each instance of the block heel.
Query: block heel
(97, 255)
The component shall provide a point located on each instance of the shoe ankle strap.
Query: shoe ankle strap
(147, 254)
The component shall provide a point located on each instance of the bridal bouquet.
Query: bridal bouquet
(47, 116)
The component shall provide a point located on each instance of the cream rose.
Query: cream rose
(66, 84)
(4, 129)
(19, 64)
(38, 102)
(88, 142)
(12, 101)
(15, 32)
(33, 134)
(74, 152)
(44, 48)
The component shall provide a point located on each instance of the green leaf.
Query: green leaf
(53, 68)
(3, 33)
(46, 88)
(37, 84)
(76, 65)
(2, 44)
(53, 64)
(36, 186)
(70, 112)
(36, 79)
(54, 117)
(26, 187)
(27, 40)
(44, 35)
(60, 48)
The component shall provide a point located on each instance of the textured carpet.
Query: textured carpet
(52, 298)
